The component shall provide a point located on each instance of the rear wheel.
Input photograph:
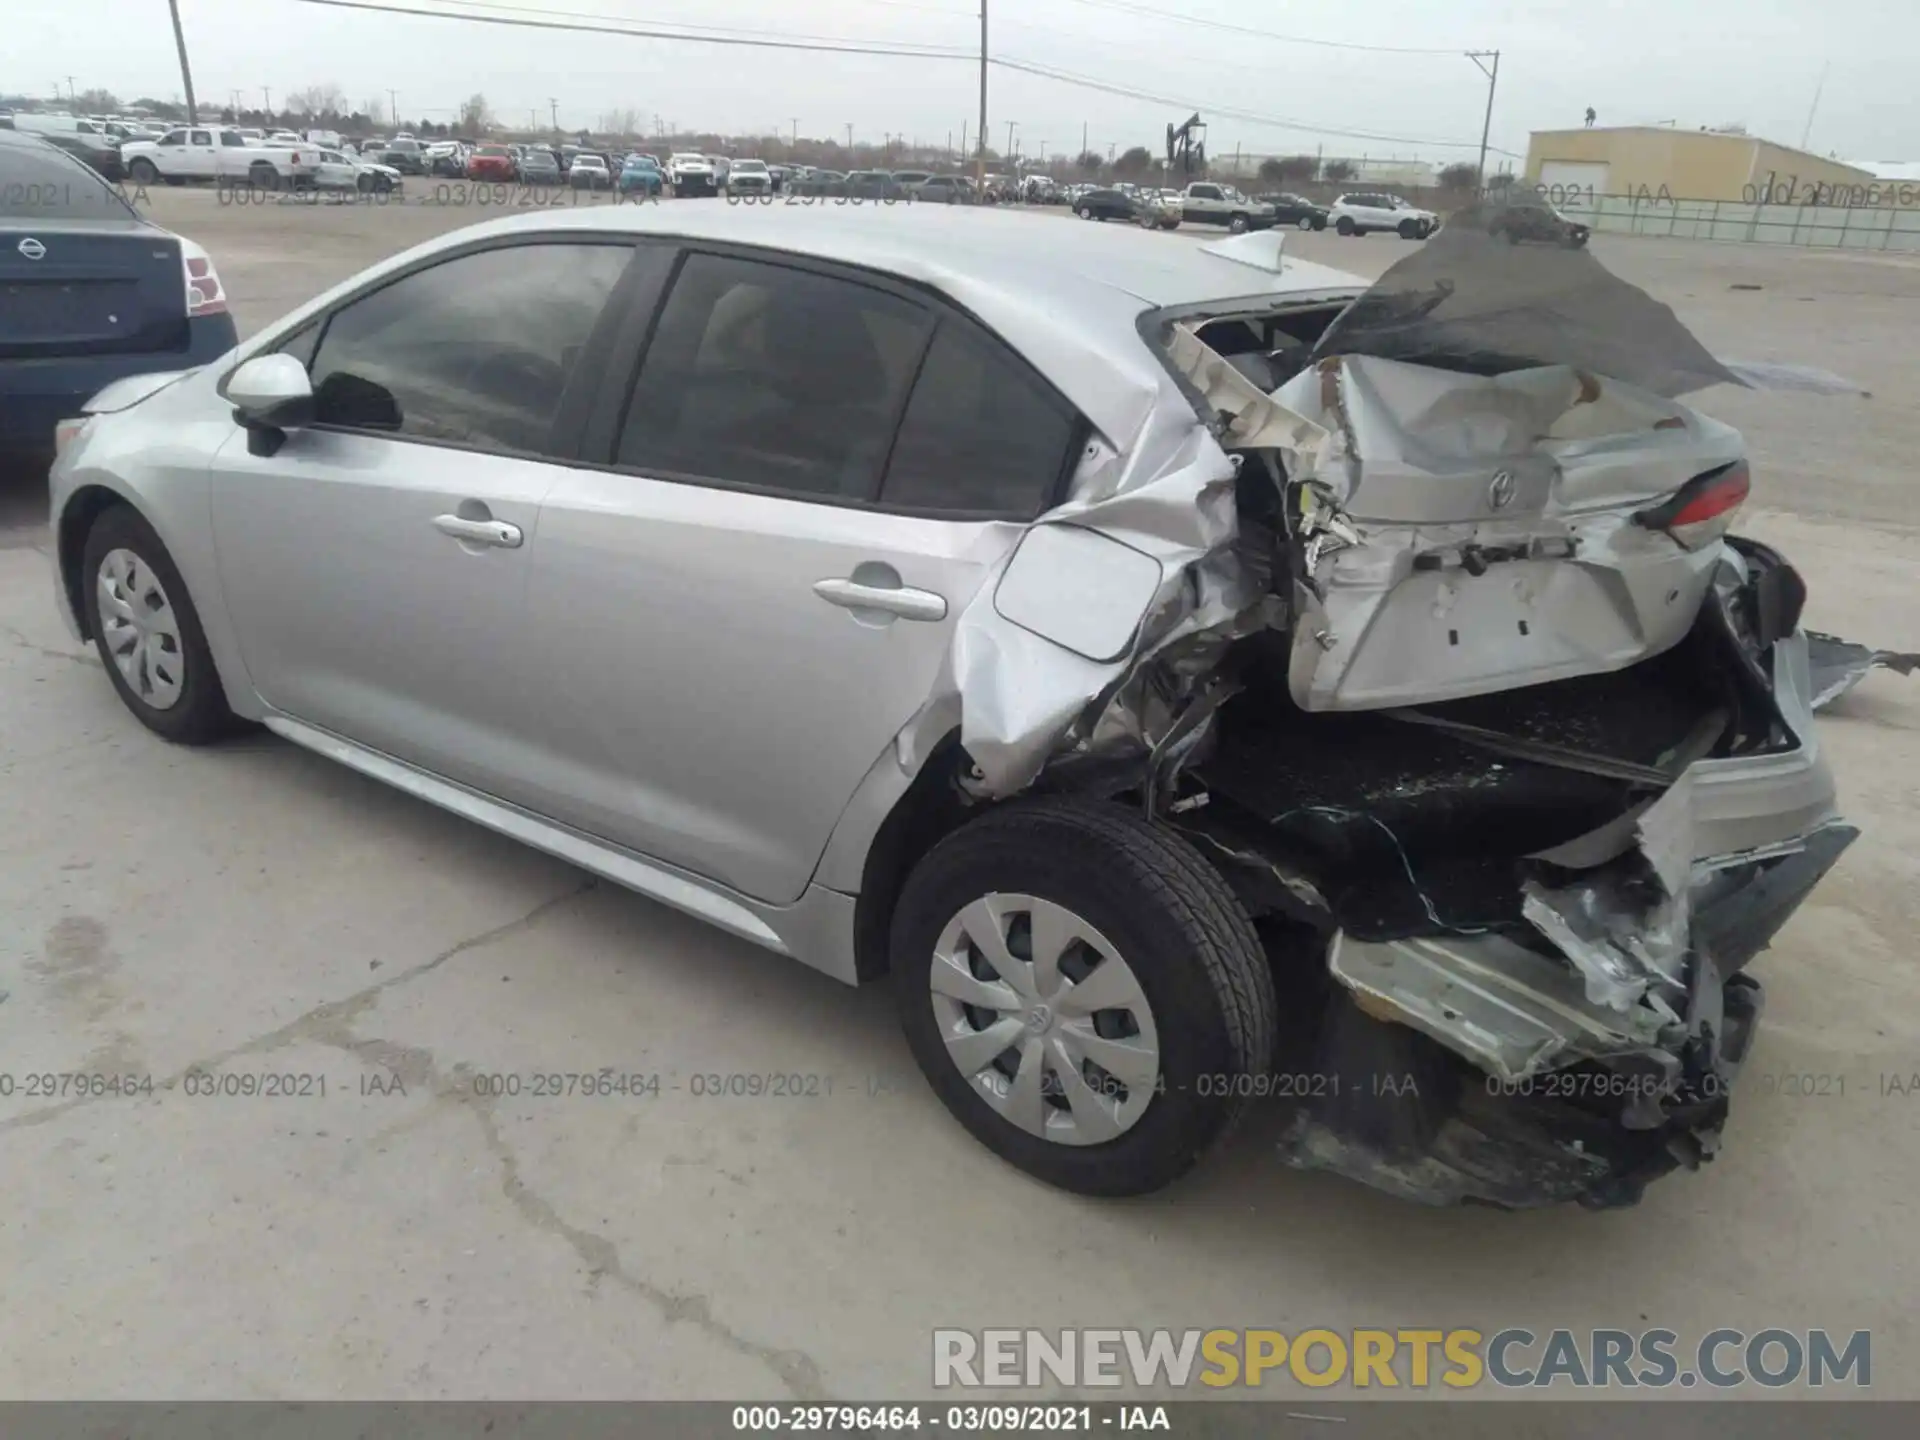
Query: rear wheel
(1305, 222)
(143, 171)
(262, 176)
(1083, 991)
(148, 634)
(1346, 226)
(1083, 212)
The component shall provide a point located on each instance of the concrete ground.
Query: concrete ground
(255, 911)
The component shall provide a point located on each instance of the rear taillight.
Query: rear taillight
(1702, 510)
(204, 293)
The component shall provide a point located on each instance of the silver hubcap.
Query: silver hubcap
(1045, 1019)
(141, 632)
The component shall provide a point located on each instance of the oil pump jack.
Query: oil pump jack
(1187, 147)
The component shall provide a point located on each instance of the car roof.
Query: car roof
(1068, 297)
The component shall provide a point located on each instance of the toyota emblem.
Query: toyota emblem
(32, 248)
(1500, 492)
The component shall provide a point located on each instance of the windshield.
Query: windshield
(1473, 300)
(750, 167)
(44, 184)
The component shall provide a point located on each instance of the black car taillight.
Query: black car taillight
(1702, 510)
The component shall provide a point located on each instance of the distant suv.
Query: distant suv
(749, 177)
(1365, 211)
(1537, 221)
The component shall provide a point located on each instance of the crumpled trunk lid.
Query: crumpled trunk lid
(1485, 535)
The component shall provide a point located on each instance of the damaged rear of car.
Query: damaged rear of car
(1502, 738)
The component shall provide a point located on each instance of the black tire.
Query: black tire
(262, 176)
(200, 716)
(1305, 222)
(143, 171)
(364, 184)
(1083, 212)
(1410, 229)
(1238, 224)
(1180, 929)
(1346, 226)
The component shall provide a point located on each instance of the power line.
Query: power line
(1213, 107)
(751, 42)
(1152, 14)
(534, 18)
(704, 31)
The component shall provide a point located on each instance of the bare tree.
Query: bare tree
(1274, 172)
(94, 102)
(1296, 169)
(1338, 170)
(1460, 177)
(1136, 161)
(475, 118)
(318, 100)
(1090, 162)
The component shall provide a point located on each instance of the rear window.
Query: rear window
(41, 183)
(497, 152)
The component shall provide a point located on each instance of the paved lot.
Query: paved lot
(254, 910)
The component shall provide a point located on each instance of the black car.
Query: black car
(874, 185)
(1537, 222)
(100, 153)
(1295, 210)
(409, 157)
(90, 293)
(1106, 205)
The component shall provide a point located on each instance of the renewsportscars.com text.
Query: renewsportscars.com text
(1417, 1359)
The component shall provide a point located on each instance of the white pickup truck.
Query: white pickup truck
(193, 152)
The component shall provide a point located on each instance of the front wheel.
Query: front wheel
(1238, 224)
(148, 634)
(1083, 991)
(364, 184)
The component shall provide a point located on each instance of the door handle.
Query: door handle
(907, 603)
(497, 533)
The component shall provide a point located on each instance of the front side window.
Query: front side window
(477, 350)
(201, 137)
(982, 435)
(174, 137)
(776, 378)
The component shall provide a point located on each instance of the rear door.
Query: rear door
(742, 607)
(80, 273)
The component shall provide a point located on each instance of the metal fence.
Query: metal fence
(1834, 227)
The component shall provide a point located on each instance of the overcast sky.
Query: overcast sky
(1708, 62)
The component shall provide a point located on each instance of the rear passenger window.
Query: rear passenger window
(982, 434)
(476, 351)
(773, 377)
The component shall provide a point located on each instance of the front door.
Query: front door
(376, 565)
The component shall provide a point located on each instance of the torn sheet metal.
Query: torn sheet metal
(1837, 665)
(1167, 495)
(1470, 300)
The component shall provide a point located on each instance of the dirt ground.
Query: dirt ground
(254, 909)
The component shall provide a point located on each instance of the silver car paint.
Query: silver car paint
(1153, 477)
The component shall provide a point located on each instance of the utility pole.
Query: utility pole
(1010, 125)
(849, 137)
(795, 122)
(980, 162)
(72, 94)
(266, 94)
(1480, 57)
(963, 137)
(186, 75)
(1805, 135)
(393, 109)
(1083, 139)
(553, 111)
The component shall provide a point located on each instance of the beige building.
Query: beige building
(1660, 162)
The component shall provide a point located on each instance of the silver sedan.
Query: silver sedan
(1100, 633)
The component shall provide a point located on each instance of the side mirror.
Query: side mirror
(271, 395)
